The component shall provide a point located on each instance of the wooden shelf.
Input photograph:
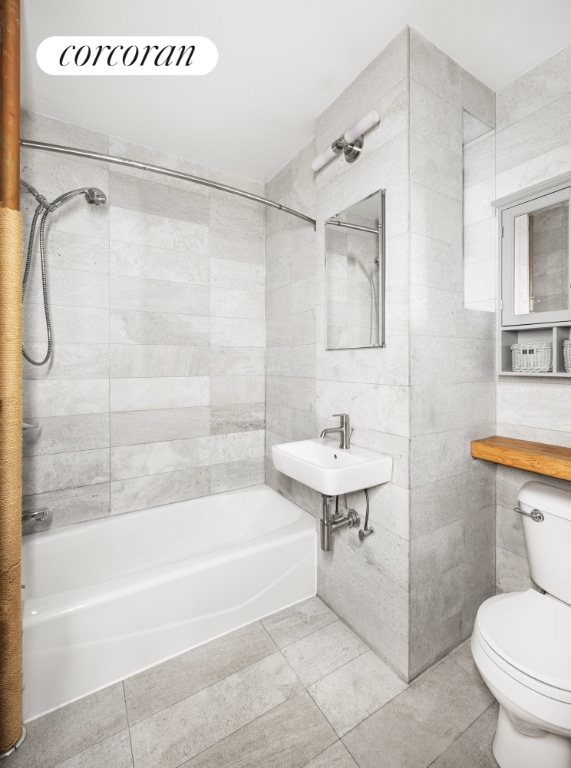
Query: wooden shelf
(553, 460)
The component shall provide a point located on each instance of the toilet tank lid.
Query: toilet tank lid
(550, 500)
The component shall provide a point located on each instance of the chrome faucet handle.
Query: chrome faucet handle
(343, 416)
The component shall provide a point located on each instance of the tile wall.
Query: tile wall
(292, 288)
(533, 145)
(368, 583)
(165, 374)
(412, 589)
(452, 370)
(156, 388)
(368, 586)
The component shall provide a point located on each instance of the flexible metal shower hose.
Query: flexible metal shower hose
(29, 255)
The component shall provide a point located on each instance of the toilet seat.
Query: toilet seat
(528, 635)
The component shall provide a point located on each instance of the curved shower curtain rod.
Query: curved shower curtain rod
(164, 171)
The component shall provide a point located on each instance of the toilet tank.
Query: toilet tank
(548, 543)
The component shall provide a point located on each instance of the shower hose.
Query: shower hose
(47, 209)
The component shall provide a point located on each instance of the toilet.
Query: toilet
(522, 641)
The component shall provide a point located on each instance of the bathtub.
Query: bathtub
(106, 599)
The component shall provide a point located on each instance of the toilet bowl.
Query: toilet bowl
(521, 644)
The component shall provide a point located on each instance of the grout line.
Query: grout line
(85, 749)
(461, 735)
(313, 632)
(315, 757)
(476, 677)
(241, 728)
(261, 622)
(370, 650)
(342, 666)
(206, 687)
(347, 748)
(128, 724)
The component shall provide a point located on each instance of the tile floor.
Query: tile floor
(296, 690)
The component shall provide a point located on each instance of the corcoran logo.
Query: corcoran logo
(127, 55)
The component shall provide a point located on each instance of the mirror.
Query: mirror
(354, 274)
(541, 257)
(535, 261)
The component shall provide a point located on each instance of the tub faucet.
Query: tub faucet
(344, 430)
(37, 515)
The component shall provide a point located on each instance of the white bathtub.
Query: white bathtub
(107, 599)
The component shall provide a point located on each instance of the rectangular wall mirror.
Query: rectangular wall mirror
(355, 275)
(535, 261)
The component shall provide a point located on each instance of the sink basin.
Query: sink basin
(323, 466)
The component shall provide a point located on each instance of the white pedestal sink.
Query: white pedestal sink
(320, 464)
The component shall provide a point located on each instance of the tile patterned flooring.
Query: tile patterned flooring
(296, 690)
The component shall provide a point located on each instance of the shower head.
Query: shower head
(95, 196)
(92, 195)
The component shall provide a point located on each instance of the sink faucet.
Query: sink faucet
(344, 430)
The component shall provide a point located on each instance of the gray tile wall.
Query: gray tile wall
(292, 287)
(159, 391)
(365, 584)
(452, 392)
(412, 589)
(533, 145)
(368, 583)
(156, 388)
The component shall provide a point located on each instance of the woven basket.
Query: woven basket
(567, 355)
(536, 356)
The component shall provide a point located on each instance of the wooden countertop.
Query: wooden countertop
(553, 460)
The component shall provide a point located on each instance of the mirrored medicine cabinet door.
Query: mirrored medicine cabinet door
(354, 274)
(535, 249)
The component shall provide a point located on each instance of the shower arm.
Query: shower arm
(164, 172)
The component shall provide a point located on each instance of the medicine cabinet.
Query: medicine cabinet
(354, 275)
(535, 309)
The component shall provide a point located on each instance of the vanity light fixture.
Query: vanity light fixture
(350, 143)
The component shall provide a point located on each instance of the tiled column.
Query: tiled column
(452, 370)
